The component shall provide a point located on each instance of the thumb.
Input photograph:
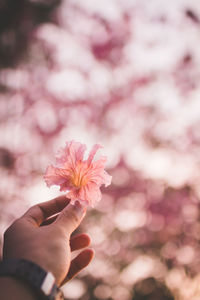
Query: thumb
(70, 217)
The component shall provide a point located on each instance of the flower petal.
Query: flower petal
(97, 174)
(107, 179)
(53, 176)
(80, 178)
(61, 157)
(75, 152)
(70, 155)
(73, 194)
(94, 150)
(91, 194)
(66, 186)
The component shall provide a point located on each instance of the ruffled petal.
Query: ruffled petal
(80, 179)
(100, 163)
(65, 186)
(69, 156)
(97, 174)
(54, 176)
(73, 194)
(91, 194)
(75, 152)
(94, 150)
(61, 157)
(106, 179)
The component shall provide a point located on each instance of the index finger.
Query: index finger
(40, 212)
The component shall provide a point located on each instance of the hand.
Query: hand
(47, 240)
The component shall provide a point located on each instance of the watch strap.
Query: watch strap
(30, 272)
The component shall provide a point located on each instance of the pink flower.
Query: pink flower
(80, 178)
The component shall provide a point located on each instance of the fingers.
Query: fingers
(79, 263)
(40, 212)
(79, 241)
(70, 217)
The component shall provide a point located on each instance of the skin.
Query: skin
(47, 241)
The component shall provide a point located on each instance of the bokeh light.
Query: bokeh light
(126, 74)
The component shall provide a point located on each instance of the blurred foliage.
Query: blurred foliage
(149, 289)
(17, 23)
(125, 73)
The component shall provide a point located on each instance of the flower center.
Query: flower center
(78, 179)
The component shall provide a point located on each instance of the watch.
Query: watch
(41, 281)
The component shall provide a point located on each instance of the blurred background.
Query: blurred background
(124, 73)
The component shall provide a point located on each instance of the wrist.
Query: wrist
(39, 282)
(14, 288)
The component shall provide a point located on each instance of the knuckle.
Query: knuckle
(71, 216)
(30, 211)
(10, 229)
(6, 233)
(34, 208)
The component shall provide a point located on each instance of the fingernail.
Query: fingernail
(80, 209)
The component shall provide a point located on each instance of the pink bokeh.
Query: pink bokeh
(125, 74)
